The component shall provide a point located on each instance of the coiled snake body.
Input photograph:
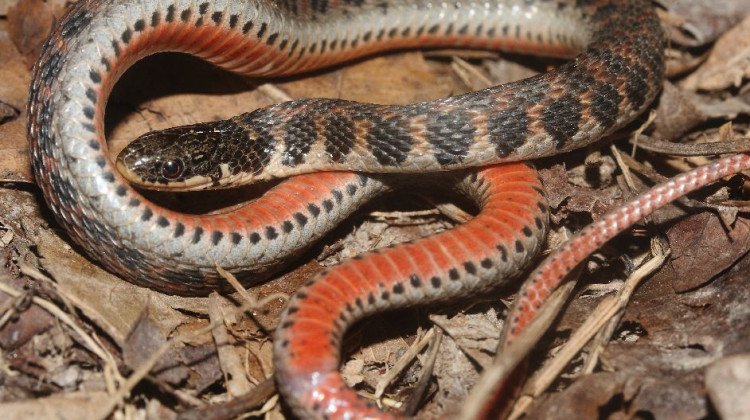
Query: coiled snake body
(615, 77)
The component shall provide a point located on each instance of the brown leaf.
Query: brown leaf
(29, 22)
(15, 77)
(702, 248)
(198, 363)
(677, 112)
(30, 323)
(728, 63)
(477, 334)
(704, 21)
(568, 198)
(728, 385)
(142, 342)
(60, 406)
(582, 400)
(7, 113)
(658, 371)
(113, 304)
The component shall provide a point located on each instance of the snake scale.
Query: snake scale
(616, 74)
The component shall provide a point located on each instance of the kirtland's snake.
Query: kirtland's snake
(617, 74)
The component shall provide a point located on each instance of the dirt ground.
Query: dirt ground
(76, 341)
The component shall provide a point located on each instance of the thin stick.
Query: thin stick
(607, 309)
(403, 362)
(514, 353)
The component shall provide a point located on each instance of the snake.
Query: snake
(340, 153)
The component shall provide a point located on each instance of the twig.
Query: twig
(623, 167)
(229, 361)
(8, 309)
(274, 92)
(179, 394)
(469, 74)
(402, 363)
(510, 356)
(249, 300)
(691, 149)
(267, 407)
(410, 409)
(636, 134)
(231, 409)
(607, 309)
(110, 365)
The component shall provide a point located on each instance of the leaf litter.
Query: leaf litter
(683, 325)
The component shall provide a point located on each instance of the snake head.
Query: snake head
(179, 159)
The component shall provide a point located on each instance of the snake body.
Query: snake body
(617, 74)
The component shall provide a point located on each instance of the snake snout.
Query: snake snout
(177, 159)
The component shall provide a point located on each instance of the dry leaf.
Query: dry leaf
(728, 385)
(702, 248)
(728, 63)
(704, 21)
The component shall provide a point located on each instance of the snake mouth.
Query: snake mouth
(192, 183)
(126, 173)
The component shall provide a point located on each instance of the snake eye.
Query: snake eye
(173, 168)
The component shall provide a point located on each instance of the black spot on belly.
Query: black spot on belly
(271, 233)
(415, 280)
(170, 13)
(216, 237)
(126, 35)
(179, 230)
(247, 26)
(197, 234)
(300, 218)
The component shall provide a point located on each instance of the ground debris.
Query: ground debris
(688, 319)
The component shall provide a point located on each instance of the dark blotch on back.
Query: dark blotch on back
(450, 134)
(254, 135)
(508, 130)
(561, 119)
(637, 86)
(300, 134)
(339, 136)
(605, 104)
(388, 138)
